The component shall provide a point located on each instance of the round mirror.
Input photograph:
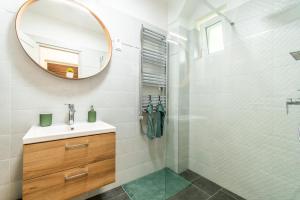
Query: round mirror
(64, 37)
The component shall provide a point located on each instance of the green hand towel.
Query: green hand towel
(160, 113)
(150, 124)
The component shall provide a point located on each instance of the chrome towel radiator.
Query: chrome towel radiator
(153, 69)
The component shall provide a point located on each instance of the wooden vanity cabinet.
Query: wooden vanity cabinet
(66, 168)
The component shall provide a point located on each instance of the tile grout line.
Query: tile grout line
(120, 196)
(201, 190)
(192, 183)
(221, 189)
(195, 179)
(230, 194)
(215, 193)
(126, 192)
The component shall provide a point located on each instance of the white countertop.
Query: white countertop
(62, 131)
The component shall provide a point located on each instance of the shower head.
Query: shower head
(296, 55)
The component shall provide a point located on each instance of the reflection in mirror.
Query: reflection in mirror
(64, 38)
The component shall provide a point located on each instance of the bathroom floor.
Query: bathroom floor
(199, 189)
(158, 185)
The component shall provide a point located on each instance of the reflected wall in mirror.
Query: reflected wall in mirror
(64, 37)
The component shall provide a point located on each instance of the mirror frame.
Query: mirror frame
(24, 7)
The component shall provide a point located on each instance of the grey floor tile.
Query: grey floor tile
(190, 175)
(109, 195)
(190, 193)
(237, 197)
(120, 197)
(206, 185)
(222, 196)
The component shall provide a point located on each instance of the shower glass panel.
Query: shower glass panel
(227, 117)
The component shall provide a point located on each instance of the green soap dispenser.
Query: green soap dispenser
(92, 115)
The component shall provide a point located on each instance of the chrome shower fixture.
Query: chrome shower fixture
(296, 55)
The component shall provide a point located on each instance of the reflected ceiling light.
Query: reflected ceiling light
(178, 36)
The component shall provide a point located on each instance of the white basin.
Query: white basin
(62, 131)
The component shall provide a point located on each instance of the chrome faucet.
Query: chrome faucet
(71, 113)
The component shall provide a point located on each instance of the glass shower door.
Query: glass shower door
(227, 108)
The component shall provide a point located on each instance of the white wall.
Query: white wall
(153, 12)
(62, 33)
(241, 136)
(189, 12)
(26, 90)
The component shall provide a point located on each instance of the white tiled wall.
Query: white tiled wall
(240, 135)
(27, 90)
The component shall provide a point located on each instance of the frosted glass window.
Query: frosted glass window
(214, 35)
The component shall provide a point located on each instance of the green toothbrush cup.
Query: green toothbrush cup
(45, 120)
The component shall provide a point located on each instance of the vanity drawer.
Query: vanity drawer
(70, 183)
(45, 158)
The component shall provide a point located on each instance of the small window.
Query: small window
(214, 35)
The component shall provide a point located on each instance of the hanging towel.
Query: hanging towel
(150, 124)
(160, 118)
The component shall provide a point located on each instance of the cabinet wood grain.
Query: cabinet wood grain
(49, 157)
(69, 167)
(82, 179)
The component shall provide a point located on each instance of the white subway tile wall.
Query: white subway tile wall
(27, 90)
(241, 137)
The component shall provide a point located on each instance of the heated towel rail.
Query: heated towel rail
(153, 69)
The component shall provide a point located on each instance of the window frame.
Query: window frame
(207, 37)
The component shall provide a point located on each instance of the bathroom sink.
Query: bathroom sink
(62, 131)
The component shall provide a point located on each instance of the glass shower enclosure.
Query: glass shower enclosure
(232, 71)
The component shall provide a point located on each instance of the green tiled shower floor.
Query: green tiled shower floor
(159, 185)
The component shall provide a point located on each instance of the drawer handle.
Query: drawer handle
(76, 146)
(70, 178)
